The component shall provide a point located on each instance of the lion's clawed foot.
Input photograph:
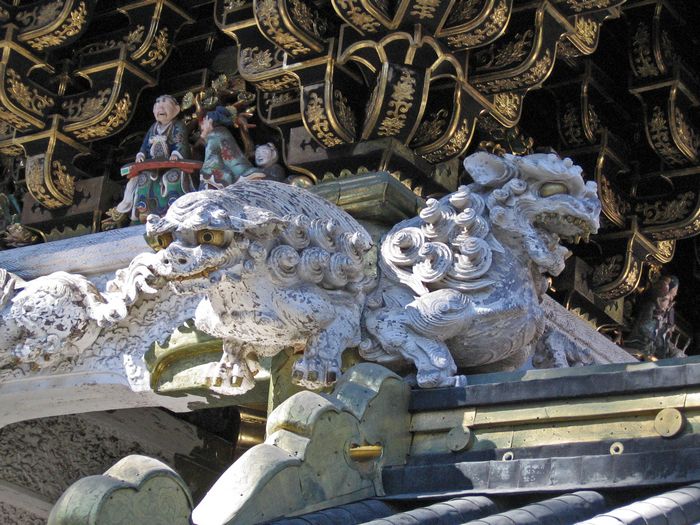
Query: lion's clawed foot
(437, 379)
(234, 374)
(314, 373)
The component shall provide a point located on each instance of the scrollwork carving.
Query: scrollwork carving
(28, 98)
(662, 212)
(116, 118)
(86, 107)
(71, 27)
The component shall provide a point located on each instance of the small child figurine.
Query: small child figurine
(266, 159)
(166, 139)
(224, 162)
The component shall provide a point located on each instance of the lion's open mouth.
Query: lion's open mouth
(202, 273)
(569, 227)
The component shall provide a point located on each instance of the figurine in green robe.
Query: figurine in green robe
(224, 162)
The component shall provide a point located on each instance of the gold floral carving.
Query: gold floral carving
(277, 84)
(642, 55)
(584, 5)
(28, 98)
(71, 27)
(455, 146)
(533, 76)
(232, 5)
(662, 212)
(12, 150)
(268, 16)
(515, 50)
(660, 135)
(665, 249)
(586, 30)
(431, 128)
(682, 232)
(401, 101)
(607, 271)
(253, 60)
(424, 9)
(571, 128)
(613, 203)
(40, 16)
(464, 10)
(357, 16)
(130, 41)
(344, 113)
(34, 174)
(318, 122)
(118, 116)
(685, 132)
(507, 104)
(491, 27)
(158, 50)
(306, 18)
(13, 120)
(64, 182)
(86, 107)
(628, 284)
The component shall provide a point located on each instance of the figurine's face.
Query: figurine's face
(165, 109)
(265, 155)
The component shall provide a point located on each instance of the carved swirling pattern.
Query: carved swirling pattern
(607, 271)
(358, 16)
(307, 18)
(86, 107)
(662, 212)
(40, 16)
(661, 139)
(643, 64)
(400, 103)
(492, 27)
(130, 41)
(584, 5)
(34, 173)
(277, 84)
(71, 27)
(344, 112)
(507, 104)
(463, 11)
(533, 76)
(268, 16)
(586, 30)
(456, 145)
(254, 60)
(64, 182)
(28, 98)
(158, 50)
(681, 232)
(431, 128)
(118, 116)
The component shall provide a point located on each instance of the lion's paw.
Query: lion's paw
(315, 373)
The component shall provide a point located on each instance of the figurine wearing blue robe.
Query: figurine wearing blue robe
(151, 191)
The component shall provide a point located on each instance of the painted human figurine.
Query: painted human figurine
(266, 157)
(655, 321)
(151, 191)
(224, 162)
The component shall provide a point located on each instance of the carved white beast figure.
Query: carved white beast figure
(271, 266)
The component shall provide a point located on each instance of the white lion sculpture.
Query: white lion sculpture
(273, 266)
